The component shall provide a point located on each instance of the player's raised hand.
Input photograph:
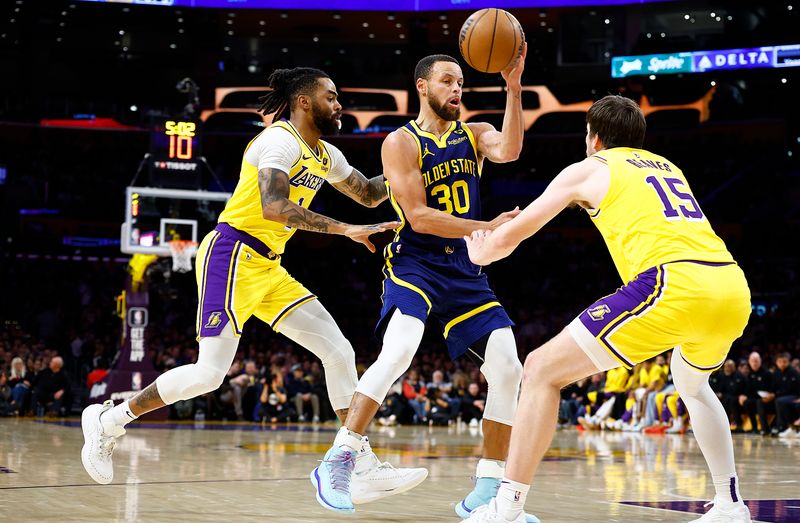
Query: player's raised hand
(476, 247)
(503, 218)
(513, 73)
(361, 233)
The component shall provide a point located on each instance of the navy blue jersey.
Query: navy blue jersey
(451, 174)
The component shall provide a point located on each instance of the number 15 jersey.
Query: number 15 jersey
(649, 215)
(451, 173)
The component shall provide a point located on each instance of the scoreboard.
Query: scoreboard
(175, 157)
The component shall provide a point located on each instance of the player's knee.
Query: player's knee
(398, 358)
(535, 371)
(339, 353)
(208, 378)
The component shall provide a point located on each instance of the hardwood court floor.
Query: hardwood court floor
(249, 472)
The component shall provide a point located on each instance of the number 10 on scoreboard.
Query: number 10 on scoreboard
(180, 135)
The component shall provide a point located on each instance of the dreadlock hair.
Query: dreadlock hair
(286, 85)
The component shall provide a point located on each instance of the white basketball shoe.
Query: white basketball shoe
(488, 514)
(98, 446)
(725, 513)
(373, 480)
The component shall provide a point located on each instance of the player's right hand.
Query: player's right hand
(503, 218)
(361, 233)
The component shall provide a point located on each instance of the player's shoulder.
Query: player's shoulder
(400, 138)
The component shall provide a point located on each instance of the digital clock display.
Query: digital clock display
(175, 152)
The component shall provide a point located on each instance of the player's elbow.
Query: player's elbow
(510, 154)
(269, 212)
(418, 221)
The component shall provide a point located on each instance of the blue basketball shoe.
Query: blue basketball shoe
(332, 480)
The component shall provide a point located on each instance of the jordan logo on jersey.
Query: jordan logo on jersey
(599, 312)
(214, 320)
(426, 152)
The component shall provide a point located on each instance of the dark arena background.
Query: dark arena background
(97, 97)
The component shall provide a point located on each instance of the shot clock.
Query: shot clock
(175, 153)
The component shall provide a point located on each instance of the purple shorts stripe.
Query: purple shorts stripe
(291, 307)
(698, 367)
(703, 262)
(603, 317)
(214, 310)
(234, 263)
(203, 281)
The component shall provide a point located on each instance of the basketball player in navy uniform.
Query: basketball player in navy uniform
(433, 167)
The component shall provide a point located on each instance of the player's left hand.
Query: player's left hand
(476, 247)
(513, 73)
(361, 233)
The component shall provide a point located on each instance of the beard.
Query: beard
(444, 111)
(326, 122)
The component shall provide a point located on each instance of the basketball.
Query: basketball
(490, 40)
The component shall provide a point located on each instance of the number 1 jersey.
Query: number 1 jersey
(450, 172)
(649, 215)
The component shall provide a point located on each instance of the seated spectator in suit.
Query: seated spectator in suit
(51, 389)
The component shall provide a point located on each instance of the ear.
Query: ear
(597, 143)
(422, 87)
(304, 102)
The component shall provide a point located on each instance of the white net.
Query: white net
(182, 253)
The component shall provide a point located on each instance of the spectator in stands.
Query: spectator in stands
(787, 391)
(98, 374)
(391, 410)
(437, 382)
(5, 396)
(758, 401)
(796, 364)
(572, 398)
(416, 394)
(20, 384)
(239, 387)
(472, 405)
(728, 385)
(51, 389)
(443, 409)
(299, 391)
(273, 403)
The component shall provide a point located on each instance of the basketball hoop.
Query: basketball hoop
(182, 253)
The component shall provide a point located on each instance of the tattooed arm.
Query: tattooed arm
(368, 192)
(276, 206)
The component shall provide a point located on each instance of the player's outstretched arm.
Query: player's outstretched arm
(276, 206)
(506, 145)
(401, 168)
(368, 192)
(573, 184)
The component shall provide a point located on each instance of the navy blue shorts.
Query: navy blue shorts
(448, 287)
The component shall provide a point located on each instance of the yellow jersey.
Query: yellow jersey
(616, 380)
(649, 215)
(307, 168)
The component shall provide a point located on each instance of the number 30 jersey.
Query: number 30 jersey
(649, 215)
(450, 172)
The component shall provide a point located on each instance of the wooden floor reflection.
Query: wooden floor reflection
(245, 472)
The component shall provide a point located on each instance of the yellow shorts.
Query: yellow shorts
(701, 307)
(238, 278)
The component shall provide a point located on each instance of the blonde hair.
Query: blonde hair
(14, 370)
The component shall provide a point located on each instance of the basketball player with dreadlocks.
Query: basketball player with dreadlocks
(239, 273)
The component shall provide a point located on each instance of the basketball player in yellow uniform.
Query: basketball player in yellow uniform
(239, 272)
(682, 289)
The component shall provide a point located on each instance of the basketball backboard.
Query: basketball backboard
(155, 216)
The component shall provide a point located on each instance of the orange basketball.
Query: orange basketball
(490, 40)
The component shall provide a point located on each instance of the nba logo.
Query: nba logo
(136, 381)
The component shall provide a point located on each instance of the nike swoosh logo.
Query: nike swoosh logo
(305, 157)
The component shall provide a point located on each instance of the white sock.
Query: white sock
(511, 498)
(727, 488)
(491, 468)
(119, 416)
(348, 440)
